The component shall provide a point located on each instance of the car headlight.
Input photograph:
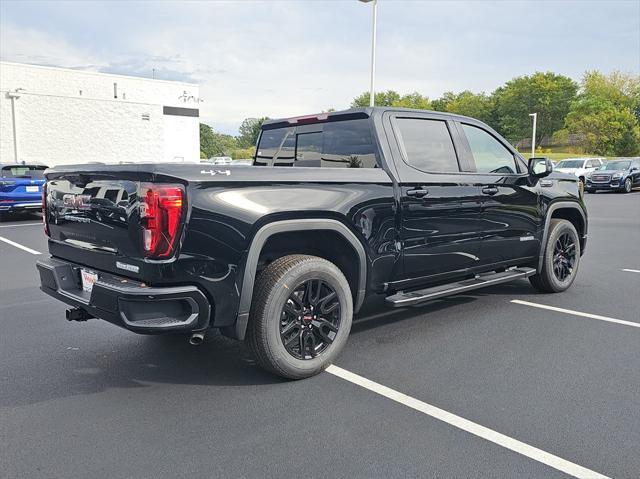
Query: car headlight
(616, 176)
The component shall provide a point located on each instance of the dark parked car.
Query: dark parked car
(21, 187)
(338, 209)
(621, 174)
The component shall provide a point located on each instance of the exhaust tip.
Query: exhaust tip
(196, 339)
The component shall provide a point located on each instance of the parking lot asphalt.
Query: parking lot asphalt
(92, 400)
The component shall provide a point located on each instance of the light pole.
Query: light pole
(533, 137)
(373, 50)
(14, 95)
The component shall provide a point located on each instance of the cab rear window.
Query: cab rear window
(339, 144)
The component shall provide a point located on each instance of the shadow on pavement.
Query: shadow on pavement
(369, 317)
(125, 360)
(132, 362)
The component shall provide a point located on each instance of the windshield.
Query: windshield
(570, 164)
(616, 165)
(23, 171)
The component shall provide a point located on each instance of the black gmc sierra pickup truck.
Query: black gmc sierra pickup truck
(337, 209)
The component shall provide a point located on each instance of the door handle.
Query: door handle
(490, 190)
(418, 192)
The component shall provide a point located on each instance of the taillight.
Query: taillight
(45, 221)
(161, 211)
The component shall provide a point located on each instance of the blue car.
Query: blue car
(621, 174)
(21, 187)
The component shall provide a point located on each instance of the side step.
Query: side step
(411, 298)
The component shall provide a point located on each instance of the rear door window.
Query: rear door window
(489, 154)
(427, 145)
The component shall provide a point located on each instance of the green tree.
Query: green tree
(249, 131)
(479, 106)
(393, 98)
(243, 153)
(621, 89)
(207, 141)
(547, 94)
(605, 114)
(215, 144)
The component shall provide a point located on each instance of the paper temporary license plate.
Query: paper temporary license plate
(33, 189)
(88, 278)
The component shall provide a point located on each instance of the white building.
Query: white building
(61, 116)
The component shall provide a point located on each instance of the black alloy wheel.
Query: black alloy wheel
(564, 256)
(560, 258)
(301, 315)
(310, 319)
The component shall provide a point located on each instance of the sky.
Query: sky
(287, 58)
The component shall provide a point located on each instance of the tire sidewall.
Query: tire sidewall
(299, 273)
(559, 229)
(627, 186)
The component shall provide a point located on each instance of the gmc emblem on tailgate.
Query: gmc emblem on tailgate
(76, 202)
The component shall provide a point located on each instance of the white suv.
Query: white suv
(579, 166)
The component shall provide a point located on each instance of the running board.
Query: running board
(411, 298)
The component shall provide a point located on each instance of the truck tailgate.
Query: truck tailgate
(100, 215)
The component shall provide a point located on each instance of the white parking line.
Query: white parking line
(21, 224)
(632, 270)
(17, 245)
(471, 427)
(577, 313)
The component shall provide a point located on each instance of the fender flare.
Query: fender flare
(268, 230)
(547, 222)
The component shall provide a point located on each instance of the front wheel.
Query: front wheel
(301, 316)
(627, 186)
(560, 260)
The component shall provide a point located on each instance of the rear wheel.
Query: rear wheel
(561, 258)
(301, 316)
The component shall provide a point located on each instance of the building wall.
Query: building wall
(68, 116)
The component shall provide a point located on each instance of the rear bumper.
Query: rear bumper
(20, 205)
(127, 303)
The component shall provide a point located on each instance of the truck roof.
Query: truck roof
(349, 114)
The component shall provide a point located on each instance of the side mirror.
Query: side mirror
(540, 167)
(635, 168)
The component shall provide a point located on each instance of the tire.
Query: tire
(284, 280)
(628, 186)
(548, 280)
